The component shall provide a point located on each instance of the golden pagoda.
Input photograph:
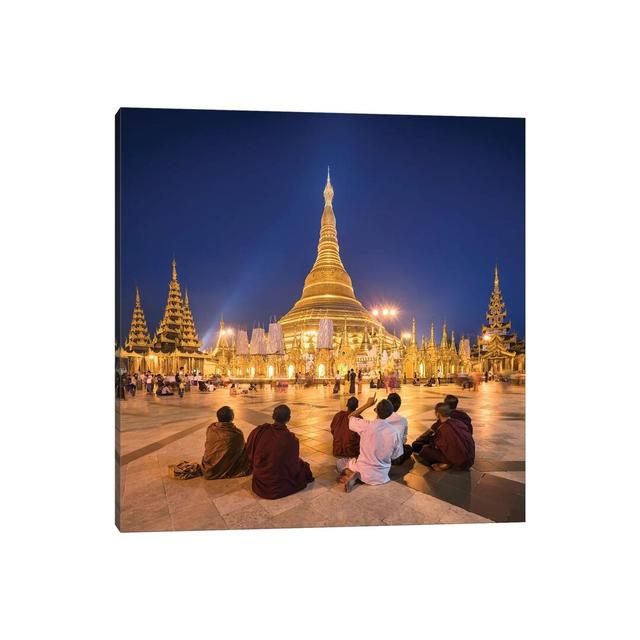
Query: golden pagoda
(189, 339)
(499, 350)
(169, 332)
(328, 293)
(138, 339)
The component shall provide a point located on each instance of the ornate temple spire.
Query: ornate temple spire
(413, 331)
(328, 191)
(344, 339)
(444, 341)
(328, 276)
(452, 344)
(221, 342)
(189, 337)
(366, 343)
(497, 311)
(432, 337)
(169, 332)
(138, 338)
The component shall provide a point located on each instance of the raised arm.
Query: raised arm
(369, 403)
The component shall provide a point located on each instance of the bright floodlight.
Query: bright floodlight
(375, 312)
(393, 311)
(406, 335)
(385, 312)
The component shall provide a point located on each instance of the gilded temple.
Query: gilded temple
(327, 331)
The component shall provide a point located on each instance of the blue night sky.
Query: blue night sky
(425, 207)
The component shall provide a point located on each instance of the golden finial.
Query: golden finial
(186, 298)
(328, 191)
(137, 296)
(496, 280)
(174, 273)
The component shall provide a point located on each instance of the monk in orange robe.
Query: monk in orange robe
(274, 453)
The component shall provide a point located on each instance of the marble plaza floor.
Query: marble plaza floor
(155, 432)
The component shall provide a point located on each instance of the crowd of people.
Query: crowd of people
(365, 449)
(165, 385)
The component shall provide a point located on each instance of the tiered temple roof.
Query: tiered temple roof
(169, 333)
(138, 338)
(189, 338)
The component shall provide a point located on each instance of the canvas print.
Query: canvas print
(320, 320)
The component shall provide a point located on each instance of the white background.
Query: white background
(570, 68)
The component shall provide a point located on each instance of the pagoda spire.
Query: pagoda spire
(444, 341)
(413, 331)
(138, 338)
(328, 191)
(452, 345)
(169, 332)
(432, 338)
(497, 311)
(328, 276)
(366, 344)
(189, 337)
(221, 342)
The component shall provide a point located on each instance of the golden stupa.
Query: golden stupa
(328, 293)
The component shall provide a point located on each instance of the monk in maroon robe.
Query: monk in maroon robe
(274, 453)
(452, 401)
(447, 445)
(224, 451)
(346, 443)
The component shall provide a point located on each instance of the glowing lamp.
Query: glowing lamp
(375, 312)
(385, 312)
(393, 312)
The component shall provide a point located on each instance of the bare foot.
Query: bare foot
(351, 481)
(440, 466)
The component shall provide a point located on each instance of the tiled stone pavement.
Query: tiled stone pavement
(155, 432)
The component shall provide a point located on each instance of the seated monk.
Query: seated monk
(224, 452)
(452, 401)
(448, 444)
(274, 453)
(346, 443)
(380, 443)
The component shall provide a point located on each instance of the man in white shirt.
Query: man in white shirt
(379, 444)
(402, 426)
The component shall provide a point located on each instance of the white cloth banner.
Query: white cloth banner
(258, 345)
(242, 343)
(325, 334)
(275, 339)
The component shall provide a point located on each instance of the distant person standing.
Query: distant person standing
(352, 382)
(336, 386)
(359, 381)
(180, 383)
(149, 382)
